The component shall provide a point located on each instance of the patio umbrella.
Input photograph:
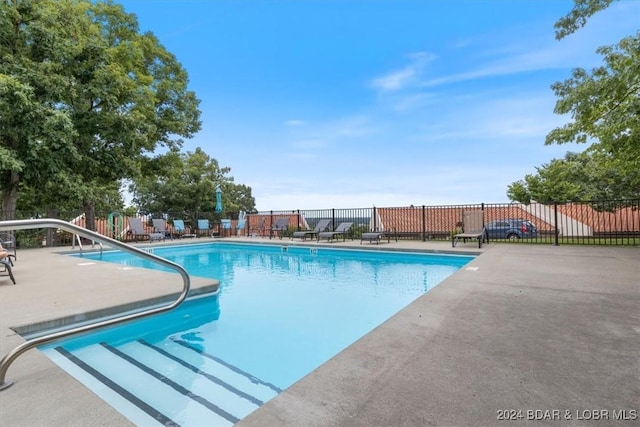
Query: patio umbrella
(218, 199)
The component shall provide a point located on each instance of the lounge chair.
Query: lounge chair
(472, 228)
(279, 226)
(203, 227)
(258, 229)
(160, 226)
(342, 229)
(225, 227)
(137, 230)
(180, 229)
(376, 236)
(319, 228)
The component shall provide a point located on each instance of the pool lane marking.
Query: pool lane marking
(180, 389)
(235, 369)
(145, 407)
(210, 377)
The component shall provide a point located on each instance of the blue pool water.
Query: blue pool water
(278, 316)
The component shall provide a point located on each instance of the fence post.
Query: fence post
(333, 218)
(375, 220)
(555, 224)
(424, 223)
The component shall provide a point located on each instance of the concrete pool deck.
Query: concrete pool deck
(521, 328)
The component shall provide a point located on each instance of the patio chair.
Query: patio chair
(180, 230)
(225, 227)
(279, 226)
(7, 264)
(8, 242)
(258, 229)
(160, 226)
(320, 227)
(5, 257)
(472, 228)
(203, 227)
(136, 229)
(341, 230)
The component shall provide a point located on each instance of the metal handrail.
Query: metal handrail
(72, 228)
(76, 237)
(73, 242)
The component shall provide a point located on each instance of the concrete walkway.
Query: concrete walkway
(522, 328)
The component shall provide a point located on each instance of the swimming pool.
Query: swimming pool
(281, 312)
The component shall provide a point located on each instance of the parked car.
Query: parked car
(511, 228)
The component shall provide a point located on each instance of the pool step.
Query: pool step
(191, 386)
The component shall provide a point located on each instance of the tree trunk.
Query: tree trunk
(10, 197)
(90, 215)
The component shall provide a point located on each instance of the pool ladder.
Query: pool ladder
(72, 228)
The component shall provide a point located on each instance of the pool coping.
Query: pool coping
(378, 380)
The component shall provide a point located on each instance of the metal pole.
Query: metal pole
(555, 224)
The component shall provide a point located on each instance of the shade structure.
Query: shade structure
(219, 207)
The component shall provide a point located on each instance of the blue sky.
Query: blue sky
(345, 104)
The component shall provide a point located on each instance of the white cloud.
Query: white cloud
(412, 102)
(406, 76)
(295, 123)
(539, 50)
(395, 80)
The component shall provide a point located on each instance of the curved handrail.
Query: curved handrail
(72, 228)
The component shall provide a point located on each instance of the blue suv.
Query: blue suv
(512, 229)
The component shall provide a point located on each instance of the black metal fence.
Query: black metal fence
(614, 222)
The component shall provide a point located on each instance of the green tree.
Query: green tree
(578, 176)
(604, 105)
(124, 94)
(183, 184)
(35, 133)
(239, 199)
(577, 17)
